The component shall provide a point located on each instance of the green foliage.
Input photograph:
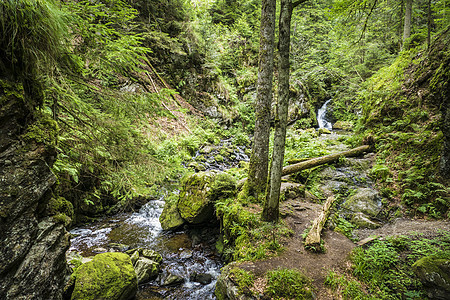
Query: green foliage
(33, 37)
(288, 283)
(386, 265)
(243, 279)
(348, 288)
(246, 237)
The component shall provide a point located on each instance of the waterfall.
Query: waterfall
(321, 117)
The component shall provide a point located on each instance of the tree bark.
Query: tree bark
(271, 206)
(323, 160)
(407, 23)
(313, 237)
(257, 174)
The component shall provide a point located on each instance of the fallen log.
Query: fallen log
(313, 237)
(311, 163)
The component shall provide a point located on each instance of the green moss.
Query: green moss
(288, 283)
(107, 276)
(10, 89)
(219, 158)
(243, 279)
(44, 130)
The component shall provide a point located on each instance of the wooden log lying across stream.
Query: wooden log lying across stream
(313, 237)
(323, 160)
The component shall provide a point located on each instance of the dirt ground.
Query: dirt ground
(338, 247)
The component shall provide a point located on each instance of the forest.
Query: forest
(224, 149)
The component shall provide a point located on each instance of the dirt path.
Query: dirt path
(338, 247)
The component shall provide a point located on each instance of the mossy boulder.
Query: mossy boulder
(194, 204)
(324, 131)
(366, 200)
(108, 276)
(200, 191)
(343, 125)
(362, 221)
(170, 218)
(434, 274)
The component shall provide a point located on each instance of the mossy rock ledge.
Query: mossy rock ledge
(108, 276)
(434, 274)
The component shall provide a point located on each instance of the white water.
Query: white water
(321, 117)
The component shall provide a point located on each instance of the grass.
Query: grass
(285, 283)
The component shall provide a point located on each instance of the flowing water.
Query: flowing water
(184, 253)
(322, 117)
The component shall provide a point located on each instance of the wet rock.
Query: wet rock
(119, 247)
(207, 149)
(134, 257)
(366, 200)
(171, 280)
(292, 190)
(32, 243)
(203, 278)
(170, 218)
(146, 269)
(196, 166)
(435, 276)
(362, 221)
(226, 288)
(324, 131)
(99, 250)
(108, 276)
(151, 254)
(186, 254)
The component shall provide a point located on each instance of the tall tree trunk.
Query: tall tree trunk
(259, 160)
(429, 24)
(271, 206)
(407, 24)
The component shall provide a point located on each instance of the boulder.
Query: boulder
(108, 276)
(343, 125)
(434, 274)
(324, 131)
(366, 200)
(170, 218)
(194, 204)
(362, 221)
(146, 269)
(203, 278)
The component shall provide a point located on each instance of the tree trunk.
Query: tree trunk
(407, 23)
(257, 174)
(323, 160)
(429, 18)
(313, 237)
(271, 206)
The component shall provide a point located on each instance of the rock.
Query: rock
(151, 254)
(32, 243)
(196, 166)
(324, 131)
(108, 276)
(365, 200)
(171, 280)
(134, 257)
(119, 247)
(207, 149)
(292, 190)
(218, 158)
(435, 276)
(186, 254)
(146, 269)
(99, 250)
(226, 288)
(194, 204)
(343, 125)
(203, 278)
(170, 218)
(362, 221)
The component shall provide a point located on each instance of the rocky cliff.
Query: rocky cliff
(32, 244)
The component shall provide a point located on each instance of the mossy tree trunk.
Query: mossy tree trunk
(271, 206)
(257, 174)
(407, 23)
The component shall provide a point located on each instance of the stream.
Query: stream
(184, 253)
(322, 117)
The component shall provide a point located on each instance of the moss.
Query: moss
(288, 283)
(219, 158)
(10, 89)
(44, 130)
(107, 276)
